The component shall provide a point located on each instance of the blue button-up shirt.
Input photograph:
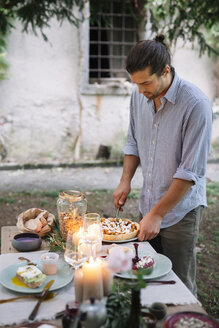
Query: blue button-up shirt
(171, 143)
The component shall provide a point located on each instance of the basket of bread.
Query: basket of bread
(35, 220)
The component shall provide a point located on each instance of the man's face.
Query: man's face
(151, 86)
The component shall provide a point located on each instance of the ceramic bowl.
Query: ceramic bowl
(174, 318)
(159, 310)
(25, 242)
(149, 320)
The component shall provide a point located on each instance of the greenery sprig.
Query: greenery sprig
(54, 239)
(119, 301)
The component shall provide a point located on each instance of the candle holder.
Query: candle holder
(92, 236)
(74, 254)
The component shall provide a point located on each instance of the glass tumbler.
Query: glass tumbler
(93, 236)
(74, 255)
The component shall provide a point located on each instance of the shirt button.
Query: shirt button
(153, 142)
(155, 125)
(151, 158)
(149, 174)
(148, 190)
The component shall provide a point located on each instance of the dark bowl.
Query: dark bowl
(27, 241)
(149, 320)
(159, 310)
(172, 319)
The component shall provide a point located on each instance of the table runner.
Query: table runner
(18, 311)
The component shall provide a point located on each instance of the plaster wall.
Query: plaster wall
(44, 116)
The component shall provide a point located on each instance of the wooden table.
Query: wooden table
(7, 234)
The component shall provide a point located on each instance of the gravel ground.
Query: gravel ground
(74, 178)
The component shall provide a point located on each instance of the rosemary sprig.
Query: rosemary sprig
(55, 240)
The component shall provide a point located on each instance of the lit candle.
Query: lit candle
(92, 279)
(107, 276)
(78, 282)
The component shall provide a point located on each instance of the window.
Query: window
(110, 42)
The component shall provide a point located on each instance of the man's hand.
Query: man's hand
(149, 226)
(121, 193)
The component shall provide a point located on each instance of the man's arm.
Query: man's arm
(150, 224)
(130, 165)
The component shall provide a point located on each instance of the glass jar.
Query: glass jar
(71, 206)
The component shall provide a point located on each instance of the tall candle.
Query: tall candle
(107, 276)
(78, 282)
(93, 282)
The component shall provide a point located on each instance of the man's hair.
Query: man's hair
(149, 53)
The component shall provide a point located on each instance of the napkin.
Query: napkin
(17, 312)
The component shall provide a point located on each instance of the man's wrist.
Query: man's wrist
(125, 179)
(158, 212)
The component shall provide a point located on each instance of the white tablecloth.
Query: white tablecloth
(18, 311)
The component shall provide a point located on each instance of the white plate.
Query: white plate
(119, 241)
(62, 278)
(163, 265)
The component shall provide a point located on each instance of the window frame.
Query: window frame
(111, 86)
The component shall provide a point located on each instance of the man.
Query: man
(169, 135)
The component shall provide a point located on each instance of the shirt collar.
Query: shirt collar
(171, 93)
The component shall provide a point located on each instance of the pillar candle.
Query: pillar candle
(78, 282)
(107, 278)
(92, 277)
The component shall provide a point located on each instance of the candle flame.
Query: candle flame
(91, 260)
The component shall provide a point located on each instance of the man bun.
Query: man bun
(149, 53)
(159, 38)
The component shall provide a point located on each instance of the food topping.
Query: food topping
(143, 263)
(117, 226)
(30, 273)
(191, 322)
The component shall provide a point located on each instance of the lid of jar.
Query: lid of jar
(72, 195)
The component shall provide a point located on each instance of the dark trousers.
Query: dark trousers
(178, 244)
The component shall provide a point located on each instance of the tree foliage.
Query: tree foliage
(186, 19)
(192, 20)
(37, 14)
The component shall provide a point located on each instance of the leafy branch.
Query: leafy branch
(54, 239)
(195, 21)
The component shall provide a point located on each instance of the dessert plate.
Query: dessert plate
(62, 278)
(119, 241)
(202, 319)
(163, 265)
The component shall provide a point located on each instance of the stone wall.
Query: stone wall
(48, 112)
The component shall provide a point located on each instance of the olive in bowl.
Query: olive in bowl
(25, 242)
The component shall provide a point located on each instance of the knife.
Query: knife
(117, 212)
(42, 297)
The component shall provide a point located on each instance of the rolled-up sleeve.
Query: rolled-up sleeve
(196, 138)
(130, 147)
